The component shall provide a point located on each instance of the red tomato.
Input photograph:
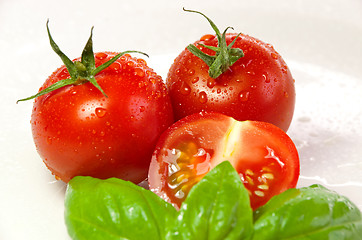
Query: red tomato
(79, 131)
(263, 155)
(258, 86)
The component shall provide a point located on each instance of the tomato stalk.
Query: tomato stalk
(225, 56)
(80, 71)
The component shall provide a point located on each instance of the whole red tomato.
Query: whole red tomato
(103, 128)
(263, 155)
(257, 86)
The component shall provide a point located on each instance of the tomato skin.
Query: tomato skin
(258, 86)
(263, 154)
(79, 131)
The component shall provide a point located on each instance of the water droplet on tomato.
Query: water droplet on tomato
(139, 72)
(284, 69)
(185, 89)
(102, 133)
(274, 55)
(191, 72)
(211, 82)
(101, 55)
(94, 132)
(153, 80)
(49, 140)
(142, 108)
(123, 58)
(100, 112)
(244, 96)
(115, 66)
(202, 97)
(130, 64)
(286, 94)
(142, 61)
(157, 94)
(267, 80)
(207, 37)
(195, 79)
(141, 84)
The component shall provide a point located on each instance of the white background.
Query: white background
(321, 41)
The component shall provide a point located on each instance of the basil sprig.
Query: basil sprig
(114, 209)
(217, 208)
(308, 213)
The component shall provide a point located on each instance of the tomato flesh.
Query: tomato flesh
(263, 155)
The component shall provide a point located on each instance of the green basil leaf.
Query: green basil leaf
(114, 209)
(218, 207)
(308, 213)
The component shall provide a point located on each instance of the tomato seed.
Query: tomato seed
(249, 172)
(269, 176)
(263, 187)
(259, 193)
(250, 180)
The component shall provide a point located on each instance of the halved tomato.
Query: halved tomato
(263, 155)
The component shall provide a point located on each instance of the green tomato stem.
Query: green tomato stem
(80, 71)
(224, 57)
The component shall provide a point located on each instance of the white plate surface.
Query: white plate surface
(321, 42)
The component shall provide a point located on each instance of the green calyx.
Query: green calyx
(80, 71)
(224, 57)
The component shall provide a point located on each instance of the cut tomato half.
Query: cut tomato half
(263, 155)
